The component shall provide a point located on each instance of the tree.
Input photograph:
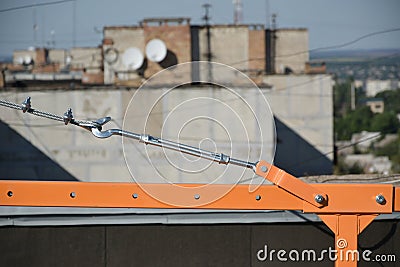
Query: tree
(385, 123)
(391, 99)
(354, 122)
(342, 98)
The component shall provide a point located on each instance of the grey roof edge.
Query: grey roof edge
(27, 216)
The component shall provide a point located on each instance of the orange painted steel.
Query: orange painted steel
(346, 229)
(289, 183)
(347, 209)
(342, 198)
(397, 199)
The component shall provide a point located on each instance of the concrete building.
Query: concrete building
(88, 61)
(60, 57)
(249, 48)
(302, 113)
(377, 105)
(88, 58)
(291, 50)
(301, 103)
(372, 87)
(175, 33)
(38, 66)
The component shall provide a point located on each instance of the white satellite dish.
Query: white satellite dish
(27, 60)
(111, 55)
(156, 50)
(132, 58)
(68, 60)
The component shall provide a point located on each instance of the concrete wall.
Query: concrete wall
(178, 43)
(20, 55)
(89, 58)
(302, 106)
(90, 159)
(58, 56)
(229, 45)
(291, 50)
(257, 50)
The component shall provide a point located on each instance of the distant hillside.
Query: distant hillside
(378, 64)
(5, 58)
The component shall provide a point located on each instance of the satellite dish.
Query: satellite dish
(132, 58)
(156, 50)
(68, 60)
(27, 60)
(111, 55)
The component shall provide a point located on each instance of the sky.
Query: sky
(329, 22)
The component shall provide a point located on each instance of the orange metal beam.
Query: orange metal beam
(354, 198)
(88, 194)
(396, 206)
(343, 198)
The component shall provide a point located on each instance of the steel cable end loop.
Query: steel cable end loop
(26, 105)
(68, 117)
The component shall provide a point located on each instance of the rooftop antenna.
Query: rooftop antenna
(74, 23)
(35, 27)
(206, 19)
(53, 39)
(238, 12)
(206, 16)
(273, 21)
(267, 15)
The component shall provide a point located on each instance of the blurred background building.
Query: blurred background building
(276, 60)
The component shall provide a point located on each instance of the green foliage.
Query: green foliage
(391, 99)
(342, 97)
(362, 119)
(385, 123)
(355, 121)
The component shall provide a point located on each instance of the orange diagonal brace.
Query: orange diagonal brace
(291, 184)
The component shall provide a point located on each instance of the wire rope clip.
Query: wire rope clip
(26, 105)
(68, 117)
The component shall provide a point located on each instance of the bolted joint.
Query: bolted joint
(319, 199)
(264, 168)
(144, 138)
(68, 117)
(222, 158)
(380, 199)
(26, 105)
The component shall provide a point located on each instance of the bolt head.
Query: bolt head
(380, 199)
(264, 168)
(319, 198)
